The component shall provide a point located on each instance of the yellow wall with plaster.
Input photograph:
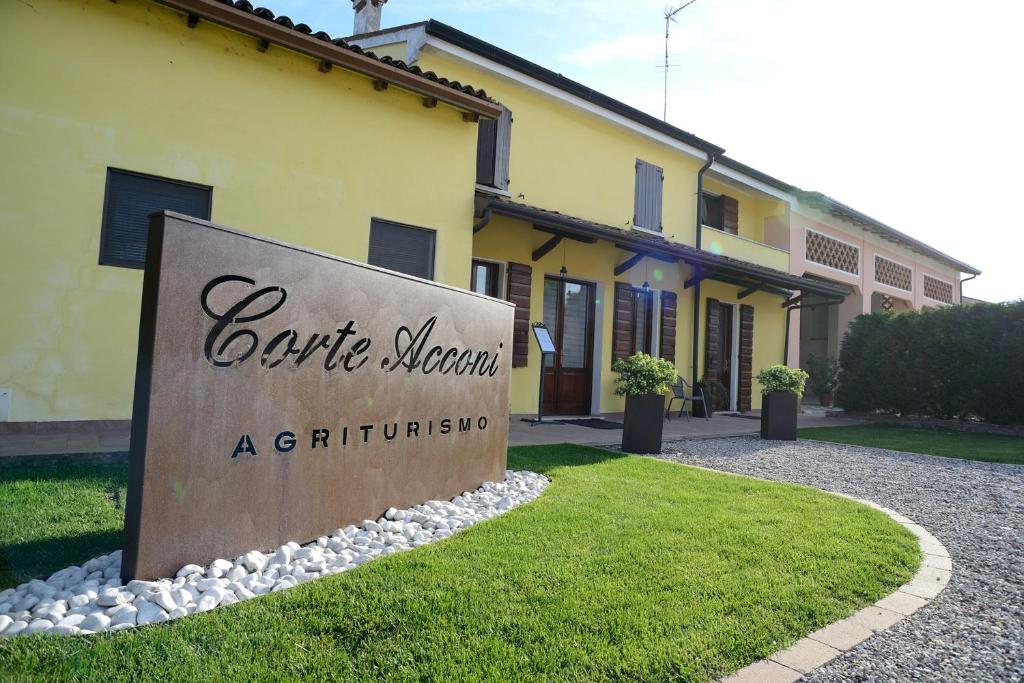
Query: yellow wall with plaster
(291, 153)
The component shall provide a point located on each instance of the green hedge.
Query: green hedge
(954, 362)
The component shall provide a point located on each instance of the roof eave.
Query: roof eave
(481, 48)
(690, 255)
(244, 22)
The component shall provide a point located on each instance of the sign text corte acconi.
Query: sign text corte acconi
(281, 393)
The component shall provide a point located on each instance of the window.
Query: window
(493, 149)
(130, 199)
(721, 212)
(484, 279)
(643, 318)
(403, 248)
(714, 211)
(647, 196)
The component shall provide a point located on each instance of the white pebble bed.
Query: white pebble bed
(91, 598)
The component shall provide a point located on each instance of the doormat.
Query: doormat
(593, 422)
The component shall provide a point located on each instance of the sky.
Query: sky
(910, 111)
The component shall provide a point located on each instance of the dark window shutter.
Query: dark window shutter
(730, 215)
(746, 356)
(667, 338)
(647, 196)
(493, 150)
(130, 199)
(622, 325)
(503, 149)
(520, 281)
(486, 149)
(712, 363)
(402, 248)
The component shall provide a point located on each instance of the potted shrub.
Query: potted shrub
(643, 380)
(781, 390)
(823, 376)
(716, 396)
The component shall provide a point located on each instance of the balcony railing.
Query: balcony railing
(726, 244)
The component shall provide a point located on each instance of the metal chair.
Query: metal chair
(679, 388)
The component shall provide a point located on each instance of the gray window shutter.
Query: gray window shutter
(486, 146)
(493, 149)
(402, 248)
(503, 149)
(647, 196)
(130, 199)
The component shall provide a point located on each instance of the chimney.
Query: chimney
(367, 16)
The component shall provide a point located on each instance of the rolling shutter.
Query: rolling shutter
(647, 196)
(730, 214)
(746, 356)
(519, 283)
(402, 248)
(130, 199)
(712, 363)
(622, 325)
(667, 339)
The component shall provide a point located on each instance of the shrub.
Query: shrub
(643, 374)
(823, 374)
(782, 378)
(952, 362)
(715, 393)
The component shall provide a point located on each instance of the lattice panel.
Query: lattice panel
(887, 303)
(831, 252)
(938, 290)
(893, 274)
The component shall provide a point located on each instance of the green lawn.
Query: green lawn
(626, 568)
(950, 444)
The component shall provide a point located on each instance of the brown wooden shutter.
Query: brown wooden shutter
(520, 281)
(730, 215)
(746, 356)
(622, 325)
(667, 339)
(486, 149)
(712, 363)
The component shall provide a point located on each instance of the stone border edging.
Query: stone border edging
(825, 644)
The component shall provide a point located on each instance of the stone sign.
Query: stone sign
(282, 393)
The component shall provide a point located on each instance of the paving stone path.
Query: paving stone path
(974, 630)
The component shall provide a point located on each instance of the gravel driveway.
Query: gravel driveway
(974, 631)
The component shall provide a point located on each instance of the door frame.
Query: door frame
(734, 354)
(593, 331)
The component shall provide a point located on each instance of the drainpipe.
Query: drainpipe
(696, 285)
(967, 279)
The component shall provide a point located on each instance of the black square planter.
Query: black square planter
(778, 416)
(644, 419)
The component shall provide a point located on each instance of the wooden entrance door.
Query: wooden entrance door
(569, 316)
(725, 367)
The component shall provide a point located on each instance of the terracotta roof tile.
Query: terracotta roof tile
(264, 13)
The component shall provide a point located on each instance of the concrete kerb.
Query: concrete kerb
(825, 644)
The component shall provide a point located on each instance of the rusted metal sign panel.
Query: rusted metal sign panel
(281, 393)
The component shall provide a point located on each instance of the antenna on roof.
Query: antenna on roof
(670, 16)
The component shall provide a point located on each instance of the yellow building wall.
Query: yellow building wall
(749, 244)
(508, 240)
(291, 153)
(574, 162)
(769, 328)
